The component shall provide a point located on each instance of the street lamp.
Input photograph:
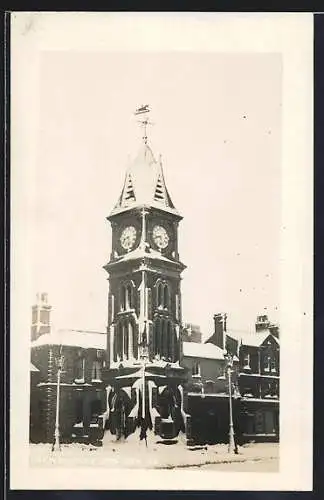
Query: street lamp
(59, 363)
(229, 369)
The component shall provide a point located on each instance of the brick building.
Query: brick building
(82, 387)
(258, 376)
(207, 390)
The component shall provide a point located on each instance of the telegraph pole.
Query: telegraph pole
(231, 442)
(57, 445)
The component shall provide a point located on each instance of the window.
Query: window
(165, 345)
(273, 365)
(162, 295)
(126, 297)
(196, 369)
(79, 371)
(96, 370)
(124, 341)
(166, 296)
(246, 362)
(119, 342)
(78, 409)
(267, 363)
(169, 352)
(122, 298)
(271, 390)
(247, 392)
(157, 337)
(129, 297)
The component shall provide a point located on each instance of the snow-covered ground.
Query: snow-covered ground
(135, 454)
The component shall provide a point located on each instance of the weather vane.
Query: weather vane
(144, 122)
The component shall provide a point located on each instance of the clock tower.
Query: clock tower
(144, 302)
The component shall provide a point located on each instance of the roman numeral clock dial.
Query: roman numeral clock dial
(160, 237)
(128, 237)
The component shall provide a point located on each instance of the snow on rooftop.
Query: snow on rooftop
(139, 253)
(144, 184)
(254, 339)
(75, 338)
(197, 350)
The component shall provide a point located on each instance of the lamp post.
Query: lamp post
(59, 362)
(231, 442)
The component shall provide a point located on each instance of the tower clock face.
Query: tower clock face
(128, 237)
(160, 237)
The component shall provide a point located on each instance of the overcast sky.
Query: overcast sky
(217, 124)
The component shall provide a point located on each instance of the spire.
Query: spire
(144, 182)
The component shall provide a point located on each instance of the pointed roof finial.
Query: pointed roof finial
(144, 122)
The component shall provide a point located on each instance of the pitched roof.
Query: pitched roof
(75, 338)
(255, 339)
(197, 350)
(144, 184)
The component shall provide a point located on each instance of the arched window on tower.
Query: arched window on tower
(125, 339)
(169, 342)
(129, 296)
(119, 341)
(165, 347)
(122, 298)
(131, 340)
(126, 296)
(157, 337)
(162, 295)
(175, 344)
(166, 296)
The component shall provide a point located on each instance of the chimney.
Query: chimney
(262, 323)
(191, 333)
(220, 329)
(41, 313)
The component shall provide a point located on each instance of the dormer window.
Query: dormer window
(246, 362)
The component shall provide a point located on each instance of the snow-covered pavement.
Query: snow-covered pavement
(134, 454)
